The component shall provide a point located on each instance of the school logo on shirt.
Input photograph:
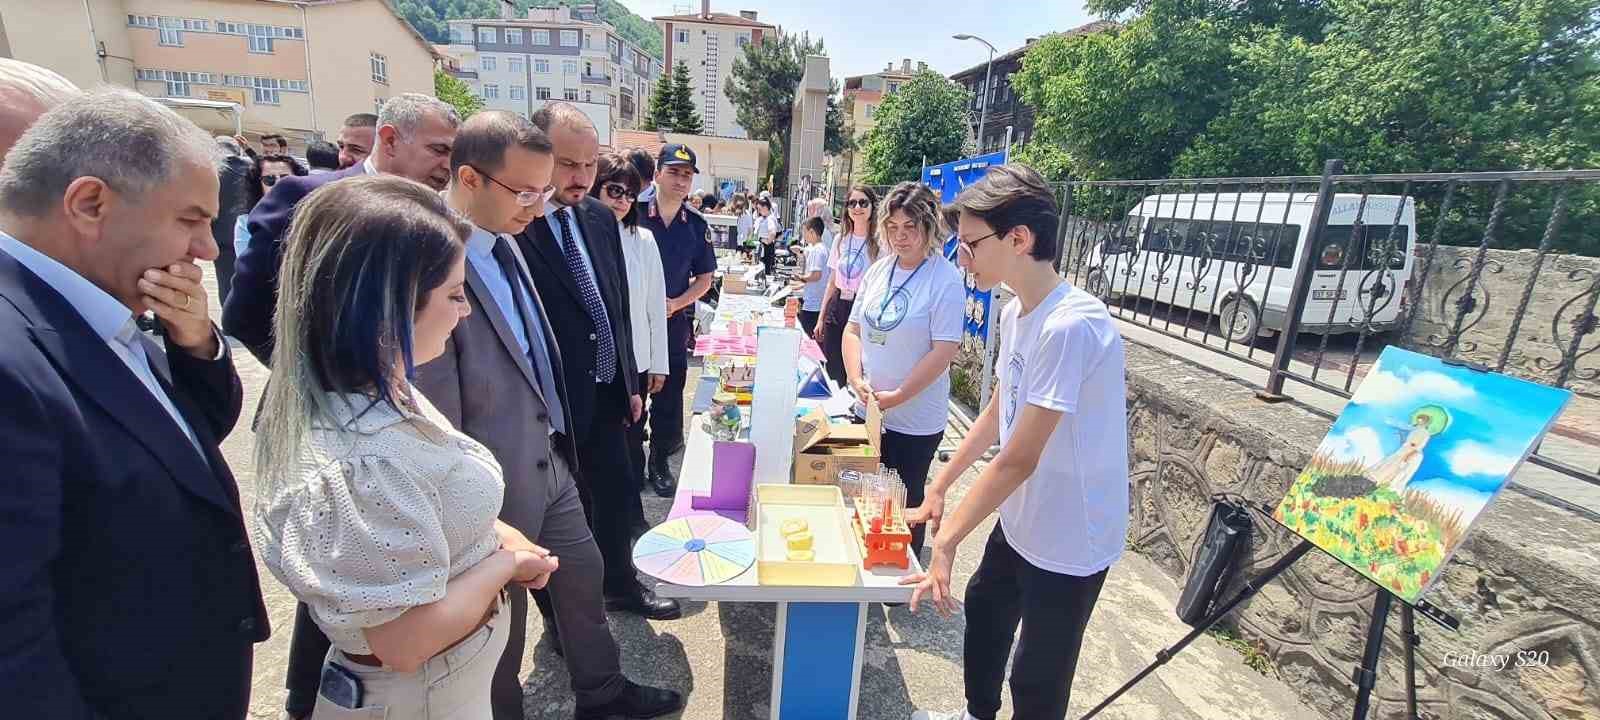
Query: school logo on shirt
(891, 312)
(1014, 375)
(854, 264)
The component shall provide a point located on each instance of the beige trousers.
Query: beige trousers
(453, 685)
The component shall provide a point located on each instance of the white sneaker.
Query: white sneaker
(938, 715)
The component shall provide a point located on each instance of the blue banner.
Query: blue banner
(947, 180)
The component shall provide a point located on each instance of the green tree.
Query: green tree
(925, 121)
(662, 103)
(456, 93)
(762, 86)
(685, 119)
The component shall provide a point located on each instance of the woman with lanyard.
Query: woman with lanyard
(852, 253)
(904, 331)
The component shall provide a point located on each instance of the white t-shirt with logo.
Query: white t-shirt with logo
(816, 260)
(1071, 515)
(923, 307)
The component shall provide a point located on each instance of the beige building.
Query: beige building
(295, 68)
(708, 43)
(862, 96)
(726, 164)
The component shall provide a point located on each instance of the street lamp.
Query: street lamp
(988, 70)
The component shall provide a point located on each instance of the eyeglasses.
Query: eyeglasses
(525, 198)
(617, 191)
(964, 247)
(858, 203)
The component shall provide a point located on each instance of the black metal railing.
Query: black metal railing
(1339, 265)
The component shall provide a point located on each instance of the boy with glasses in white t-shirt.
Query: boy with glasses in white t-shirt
(1060, 480)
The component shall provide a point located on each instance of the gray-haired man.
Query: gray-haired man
(26, 92)
(415, 136)
(128, 588)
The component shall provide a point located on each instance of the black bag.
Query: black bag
(1221, 548)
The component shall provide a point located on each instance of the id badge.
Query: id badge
(877, 337)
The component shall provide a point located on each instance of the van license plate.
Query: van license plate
(1329, 294)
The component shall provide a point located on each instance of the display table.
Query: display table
(820, 631)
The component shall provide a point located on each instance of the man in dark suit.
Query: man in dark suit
(500, 382)
(415, 136)
(128, 588)
(575, 255)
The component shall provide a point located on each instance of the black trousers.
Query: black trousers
(911, 456)
(1053, 610)
(833, 337)
(308, 647)
(608, 487)
(666, 408)
(808, 321)
(769, 257)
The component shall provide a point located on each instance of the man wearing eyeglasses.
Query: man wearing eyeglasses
(415, 136)
(500, 382)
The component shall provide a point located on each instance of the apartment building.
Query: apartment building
(708, 43)
(567, 53)
(1005, 108)
(863, 94)
(292, 68)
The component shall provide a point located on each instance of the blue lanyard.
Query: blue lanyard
(890, 289)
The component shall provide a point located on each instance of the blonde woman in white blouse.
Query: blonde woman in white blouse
(375, 513)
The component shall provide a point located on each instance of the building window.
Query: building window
(519, 92)
(486, 62)
(491, 91)
(295, 85)
(485, 35)
(540, 37)
(569, 67)
(231, 28)
(149, 75)
(569, 38)
(377, 105)
(743, 39)
(871, 110)
(144, 21)
(542, 93)
(267, 91)
(541, 66)
(380, 69)
(171, 32)
(197, 25)
(515, 65)
(588, 68)
(460, 35)
(513, 36)
(571, 94)
(612, 47)
(683, 36)
(893, 87)
(588, 96)
(289, 33)
(261, 38)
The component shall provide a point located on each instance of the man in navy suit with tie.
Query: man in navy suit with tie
(415, 136)
(575, 256)
(128, 588)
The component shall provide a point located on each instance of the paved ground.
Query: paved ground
(720, 654)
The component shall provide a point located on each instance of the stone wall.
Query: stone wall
(1527, 579)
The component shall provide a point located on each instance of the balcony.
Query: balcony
(460, 74)
(597, 80)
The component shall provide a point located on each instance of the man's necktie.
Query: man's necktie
(538, 352)
(605, 366)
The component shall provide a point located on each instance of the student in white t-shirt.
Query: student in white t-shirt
(904, 330)
(1060, 481)
(768, 228)
(812, 281)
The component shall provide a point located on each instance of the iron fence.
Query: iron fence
(1308, 277)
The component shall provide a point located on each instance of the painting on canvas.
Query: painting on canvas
(1416, 457)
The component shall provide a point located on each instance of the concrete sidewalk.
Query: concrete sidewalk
(720, 655)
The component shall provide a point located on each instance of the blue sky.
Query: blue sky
(864, 35)
(1494, 419)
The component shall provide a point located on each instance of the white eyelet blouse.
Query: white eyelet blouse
(385, 508)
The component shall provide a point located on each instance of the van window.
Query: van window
(1336, 242)
(1243, 241)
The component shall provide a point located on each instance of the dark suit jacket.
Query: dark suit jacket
(128, 589)
(574, 330)
(247, 312)
(485, 386)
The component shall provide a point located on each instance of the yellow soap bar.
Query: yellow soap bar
(792, 526)
(801, 555)
(799, 541)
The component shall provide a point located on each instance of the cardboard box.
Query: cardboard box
(733, 285)
(824, 449)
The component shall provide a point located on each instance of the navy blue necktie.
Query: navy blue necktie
(605, 361)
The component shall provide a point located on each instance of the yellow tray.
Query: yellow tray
(838, 551)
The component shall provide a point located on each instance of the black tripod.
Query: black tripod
(1366, 675)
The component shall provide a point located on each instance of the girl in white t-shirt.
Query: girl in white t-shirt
(1060, 480)
(904, 330)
